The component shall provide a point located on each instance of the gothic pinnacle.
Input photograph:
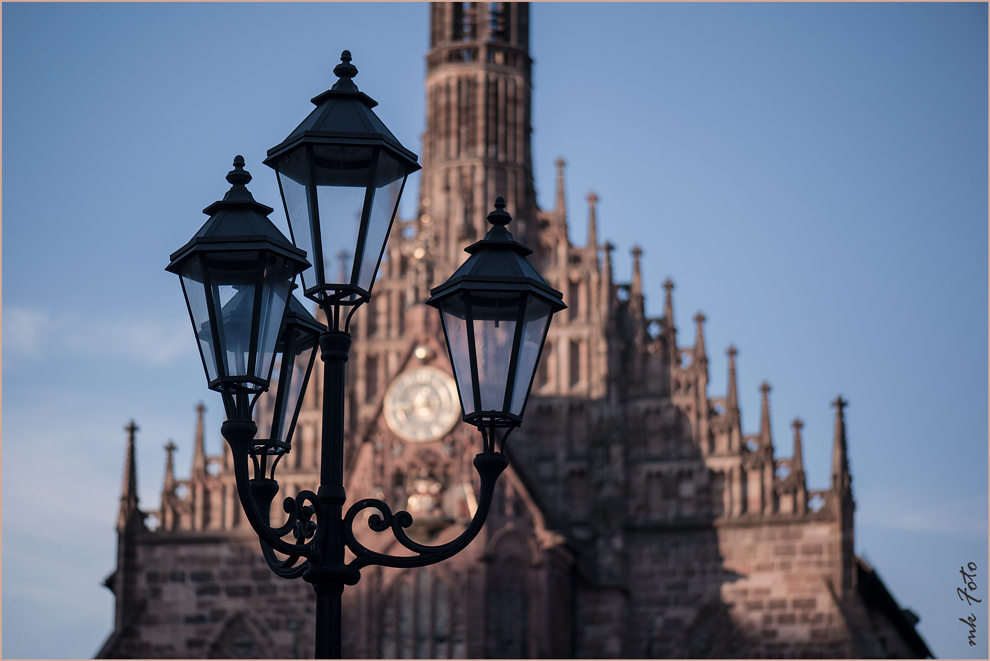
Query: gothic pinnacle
(841, 480)
(592, 222)
(128, 494)
(797, 461)
(560, 210)
(169, 468)
(636, 288)
(700, 355)
(732, 397)
(199, 449)
(765, 414)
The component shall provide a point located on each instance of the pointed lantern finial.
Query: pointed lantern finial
(345, 71)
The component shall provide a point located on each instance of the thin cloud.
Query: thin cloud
(157, 342)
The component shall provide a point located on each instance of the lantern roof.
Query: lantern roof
(297, 314)
(498, 263)
(238, 222)
(343, 115)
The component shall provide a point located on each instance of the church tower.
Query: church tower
(477, 140)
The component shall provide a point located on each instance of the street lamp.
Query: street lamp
(341, 173)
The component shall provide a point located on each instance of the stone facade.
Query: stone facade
(636, 520)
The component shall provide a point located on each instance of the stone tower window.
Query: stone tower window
(508, 610)
(421, 620)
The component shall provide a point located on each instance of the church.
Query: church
(636, 520)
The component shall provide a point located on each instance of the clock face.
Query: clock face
(421, 405)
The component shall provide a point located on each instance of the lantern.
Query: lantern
(496, 310)
(237, 274)
(276, 411)
(341, 173)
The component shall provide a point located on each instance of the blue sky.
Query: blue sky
(812, 176)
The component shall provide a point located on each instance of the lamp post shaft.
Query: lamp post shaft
(329, 577)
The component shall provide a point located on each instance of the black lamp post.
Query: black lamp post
(341, 173)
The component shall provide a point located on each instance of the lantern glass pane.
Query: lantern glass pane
(389, 178)
(534, 331)
(194, 287)
(276, 410)
(343, 175)
(454, 315)
(292, 178)
(495, 316)
(248, 327)
(276, 288)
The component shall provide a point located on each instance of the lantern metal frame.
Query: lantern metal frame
(497, 269)
(300, 334)
(238, 233)
(343, 121)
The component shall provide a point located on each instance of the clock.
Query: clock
(421, 405)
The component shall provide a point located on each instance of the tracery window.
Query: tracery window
(422, 620)
(508, 610)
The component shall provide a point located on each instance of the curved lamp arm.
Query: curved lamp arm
(256, 496)
(489, 465)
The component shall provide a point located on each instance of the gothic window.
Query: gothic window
(577, 494)
(508, 609)
(718, 493)
(575, 363)
(421, 620)
(573, 300)
(371, 379)
(544, 373)
(654, 494)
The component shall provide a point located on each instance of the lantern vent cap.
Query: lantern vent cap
(498, 263)
(238, 222)
(343, 115)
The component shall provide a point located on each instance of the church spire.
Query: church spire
(560, 206)
(592, 223)
(841, 480)
(765, 437)
(128, 493)
(199, 451)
